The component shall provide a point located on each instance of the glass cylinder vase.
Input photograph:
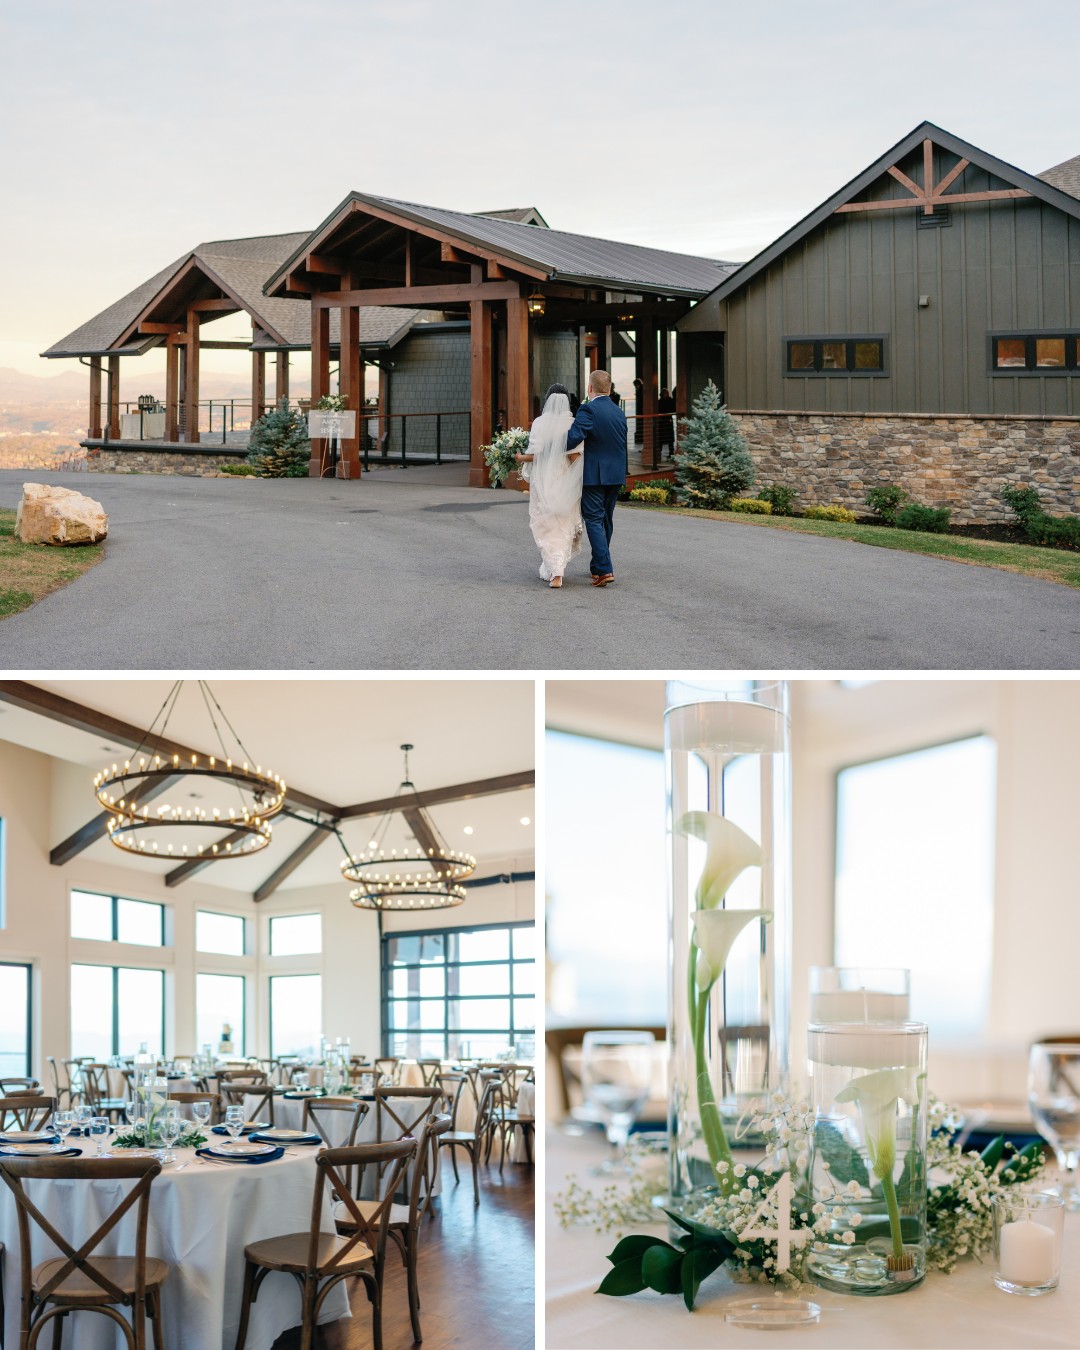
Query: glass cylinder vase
(729, 822)
(868, 1156)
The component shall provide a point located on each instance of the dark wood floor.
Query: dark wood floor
(476, 1274)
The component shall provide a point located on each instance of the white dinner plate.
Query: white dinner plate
(242, 1149)
(32, 1150)
(26, 1136)
(288, 1134)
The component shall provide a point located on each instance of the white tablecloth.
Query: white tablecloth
(201, 1218)
(526, 1107)
(964, 1309)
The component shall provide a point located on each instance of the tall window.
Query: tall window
(219, 1003)
(222, 934)
(110, 918)
(459, 991)
(607, 915)
(295, 1014)
(15, 1020)
(296, 935)
(915, 876)
(115, 1009)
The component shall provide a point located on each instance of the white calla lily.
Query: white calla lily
(715, 931)
(877, 1095)
(729, 852)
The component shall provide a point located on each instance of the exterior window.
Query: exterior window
(1047, 353)
(222, 934)
(836, 356)
(219, 1003)
(296, 935)
(115, 1009)
(941, 802)
(460, 991)
(15, 1022)
(295, 1014)
(109, 918)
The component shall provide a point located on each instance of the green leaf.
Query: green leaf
(634, 1246)
(623, 1279)
(993, 1152)
(661, 1266)
(698, 1265)
(702, 1231)
(845, 1163)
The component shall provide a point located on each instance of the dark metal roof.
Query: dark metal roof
(241, 266)
(1039, 187)
(524, 215)
(1065, 176)
(577, 258)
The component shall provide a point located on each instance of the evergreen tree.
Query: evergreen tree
(713, 464)
(279, 445)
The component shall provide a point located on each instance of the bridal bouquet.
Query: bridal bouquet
(499, 455)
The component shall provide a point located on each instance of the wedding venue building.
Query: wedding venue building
(921, 326)
(219, 938)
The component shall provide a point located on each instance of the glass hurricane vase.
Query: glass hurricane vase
(729, 823)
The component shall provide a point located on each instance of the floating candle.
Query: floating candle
(867, 1046)
(1028, 1253)
(859, 1005)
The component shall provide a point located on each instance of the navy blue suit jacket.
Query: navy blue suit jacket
(601, 424)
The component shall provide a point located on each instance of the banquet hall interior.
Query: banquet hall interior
(286, 995)
(932, 837)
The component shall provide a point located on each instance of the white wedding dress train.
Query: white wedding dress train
(554, 489)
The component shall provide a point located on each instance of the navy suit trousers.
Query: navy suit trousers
(598, 510)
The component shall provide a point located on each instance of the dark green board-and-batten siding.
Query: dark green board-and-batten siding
(999, 266)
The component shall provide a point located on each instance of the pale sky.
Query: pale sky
(134, 129)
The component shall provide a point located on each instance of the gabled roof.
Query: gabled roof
(1039, 188)
(240, 266)
(1065, 176)
(524, 215)
(576, 258)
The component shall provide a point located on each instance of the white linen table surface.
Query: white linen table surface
(201, 1218)
(963, 1311)
(527, 1107)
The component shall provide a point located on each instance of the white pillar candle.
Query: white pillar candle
(859, 1005)
(866, 1046)
(1028, 1253)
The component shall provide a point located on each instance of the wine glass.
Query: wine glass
(170, 1127)
(63, 1123)
(234, 1122)
(301, 1081)
(201, 1113)
(616, 1076)
(99, 1128)
(83, 1115)
(1054, 1099)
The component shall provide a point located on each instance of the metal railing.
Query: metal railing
(651, 436)
(415, 438)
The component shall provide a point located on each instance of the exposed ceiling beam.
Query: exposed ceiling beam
(459, 792)
(22, 694)
(188, 869)
(423, 831)
(292, 862)
(97, 828)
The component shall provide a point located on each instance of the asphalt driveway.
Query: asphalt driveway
(407, 571)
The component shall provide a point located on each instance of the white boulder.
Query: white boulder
(56, 515)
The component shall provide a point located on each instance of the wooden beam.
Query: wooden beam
(518, 402)
(114, 398)
(258, 385)
(284, 870)
(94, 427)
(646, 354)
(928, 174)
(410, 265)
(480, 421)
(172, 387)
(459, 792)
(281, 377)
(320, 376)
(456, 293)
(351, 384)
(910, 184)
(188, 869)
(951, 177)
(223, 345)
(23, 694)
(191, 380)
(224, 305)
(148, 327)
(423, 831)
(939, 199)
(327, 265)
(97, 827)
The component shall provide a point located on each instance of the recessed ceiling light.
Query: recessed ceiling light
(525, 820)
(468, 829)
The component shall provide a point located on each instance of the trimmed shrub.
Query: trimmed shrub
(886, 500)
(752, 506)
(240, 470)
(1039, 527)
(780, 497)
(650, 492)
(714, 463)
(838, 513)
(1023, 502)
(279, 445)
(929, 519)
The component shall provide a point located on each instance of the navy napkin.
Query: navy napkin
(261, 1137)
(303, 1095)
(254, 1158)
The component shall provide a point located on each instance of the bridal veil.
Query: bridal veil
(554, 488)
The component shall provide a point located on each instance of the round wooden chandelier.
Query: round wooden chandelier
(155, 799)
(417, 878)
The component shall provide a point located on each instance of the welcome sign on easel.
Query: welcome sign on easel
(332, 426)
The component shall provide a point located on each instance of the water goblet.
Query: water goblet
(234, 1122)
(170, 1127)
(63, 1123)
(616, 1076)
(201, 1112)
(99, 1128)
(1054, 1099)
(83, 1115)
(301, 1081)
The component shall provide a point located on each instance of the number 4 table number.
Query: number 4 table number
(783, 1234)
(780, 1309)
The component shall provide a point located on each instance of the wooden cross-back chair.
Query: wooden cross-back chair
(388, 1068)
(189, 1098)
(474, 1140)
(314, 1107)
(95, 1078)
(77, 1280)
(317, 1260)
(26, 1113)
(242, 1076)
(60, 1089)
(20, 1087)
(429, 1070)
(451, 1086)
(403, 1111)
(235, 1094)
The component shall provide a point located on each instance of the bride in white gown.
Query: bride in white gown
(554, 479)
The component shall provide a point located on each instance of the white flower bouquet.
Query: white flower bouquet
(499, 455)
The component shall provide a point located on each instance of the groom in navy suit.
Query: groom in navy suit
(601, 425)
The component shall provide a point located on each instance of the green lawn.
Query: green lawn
(29, 571)
(1047, 564)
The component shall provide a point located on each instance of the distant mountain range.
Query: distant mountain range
(74, 383)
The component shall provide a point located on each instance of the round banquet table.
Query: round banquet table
(526, 1107)
(201, 1218)
(964, 1311)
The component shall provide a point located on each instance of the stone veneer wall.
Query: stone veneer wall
(187, 462)
(959, 462)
